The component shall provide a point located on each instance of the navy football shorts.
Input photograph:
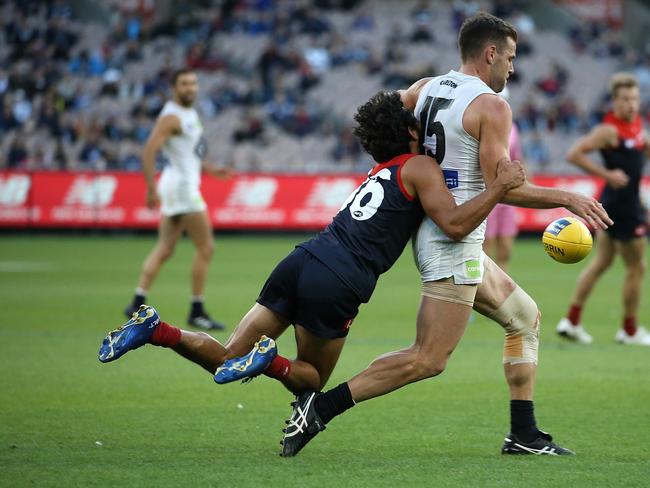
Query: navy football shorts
(307, 293)
(629, 223)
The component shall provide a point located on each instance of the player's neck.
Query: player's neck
(623, 117)
(474, 70)
(178, 102)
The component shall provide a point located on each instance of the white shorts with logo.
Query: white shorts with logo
(436, 260)
(178, 196)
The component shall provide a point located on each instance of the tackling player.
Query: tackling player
(321, 284)
(466, 127)
(624, 146)
(178, 133)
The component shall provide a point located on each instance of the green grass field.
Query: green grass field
(153, 419)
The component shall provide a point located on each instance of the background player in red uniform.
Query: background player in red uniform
(624, 145)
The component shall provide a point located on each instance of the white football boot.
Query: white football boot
(576, 333)
(641, 338)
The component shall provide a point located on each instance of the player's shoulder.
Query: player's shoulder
(491, 103)
(418, 164)
(605, 133)
(489, 108)
(411, 95)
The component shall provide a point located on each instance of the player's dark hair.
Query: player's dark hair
(480, 29)
(180, 72)
(383, 126)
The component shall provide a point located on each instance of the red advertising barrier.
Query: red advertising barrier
(253, 201)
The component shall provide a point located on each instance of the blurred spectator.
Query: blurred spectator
(363, 20)
(17, 155)
(421, 32)
(536, 152)
(347, 149)
(555, 81)
(250, 128)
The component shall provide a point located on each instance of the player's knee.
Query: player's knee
(206, 250)
(638, 268)
(165, 252)
(424, 366)
(602, 264)
(519, 316)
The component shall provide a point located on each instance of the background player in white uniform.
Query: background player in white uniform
(178, 133)
(466, 127)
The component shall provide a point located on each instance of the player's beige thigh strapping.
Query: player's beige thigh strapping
(451, 271)
(446, 290)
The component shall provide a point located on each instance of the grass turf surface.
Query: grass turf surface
(153, 419)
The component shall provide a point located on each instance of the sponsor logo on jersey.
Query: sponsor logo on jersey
(451, 178)
(449, 83)
(558, 226)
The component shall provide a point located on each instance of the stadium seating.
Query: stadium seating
(113, 108)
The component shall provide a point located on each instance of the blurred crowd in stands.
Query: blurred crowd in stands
(70, 104)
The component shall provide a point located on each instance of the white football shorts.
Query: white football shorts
(178, 196)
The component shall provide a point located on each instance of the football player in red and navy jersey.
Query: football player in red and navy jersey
(624, 145)
(320, 285)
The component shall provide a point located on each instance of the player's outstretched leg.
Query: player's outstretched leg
(136, 332)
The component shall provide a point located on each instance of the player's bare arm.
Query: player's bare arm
(164, 128)
(222, 172)
(489, 120)
(424, 179)
(410, 95)
(600, 137)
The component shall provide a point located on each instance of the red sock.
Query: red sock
(166, 335)
(629, 324)
(574, 314)
(279, 368)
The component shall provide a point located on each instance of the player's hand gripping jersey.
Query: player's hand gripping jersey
(440, 108)
(624, 204)
(371, 230)
(181, 178)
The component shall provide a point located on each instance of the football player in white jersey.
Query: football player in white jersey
(178, 134)
(466, 127)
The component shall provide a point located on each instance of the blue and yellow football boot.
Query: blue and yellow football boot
(136, 332)
(250, 365)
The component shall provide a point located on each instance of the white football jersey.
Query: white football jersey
(184, 151)
(440, 109)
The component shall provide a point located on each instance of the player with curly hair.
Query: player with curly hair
(320, 285)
